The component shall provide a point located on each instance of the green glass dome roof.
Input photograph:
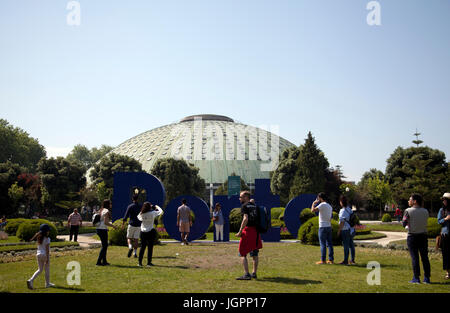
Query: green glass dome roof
(216, 144)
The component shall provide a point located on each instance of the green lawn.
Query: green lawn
(386, 227)
(32, 246)
(206, 267)
(11, 239)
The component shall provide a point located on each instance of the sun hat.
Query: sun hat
(44, 228)
(446, 196)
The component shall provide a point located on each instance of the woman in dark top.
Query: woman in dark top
(444, 219)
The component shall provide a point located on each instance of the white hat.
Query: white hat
(446, 195)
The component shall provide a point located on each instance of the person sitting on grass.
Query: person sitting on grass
(42, 255)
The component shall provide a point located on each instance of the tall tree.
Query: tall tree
(179, 178)
(62, 180)
(282, 178)
(312, 166)
(420, 169)
(102, 173)
(9, 173)
(88, 157)
(18, 147)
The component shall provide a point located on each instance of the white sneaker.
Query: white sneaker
(30, 284)
(182, 243)
(49, 285)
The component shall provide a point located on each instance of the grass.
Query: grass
(11, 239)
(386, 227)
(32, 246)
(372, 235)
(211, 268)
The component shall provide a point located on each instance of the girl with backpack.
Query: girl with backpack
(42, 255)
(346, 230)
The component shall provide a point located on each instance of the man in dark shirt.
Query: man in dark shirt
(250, 238)
(134, 226)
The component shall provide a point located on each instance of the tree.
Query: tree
(62, 180)
(179, 178)
(88, 157)
(420, 169)
(282, 178)
(312, 166)
(379, 193)
(104, 170)
(223, 190)
(8, 175)
(16, 194)
(372, 173)
(31, 185)
(18, 147)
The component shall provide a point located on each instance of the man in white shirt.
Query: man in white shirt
(325, 231)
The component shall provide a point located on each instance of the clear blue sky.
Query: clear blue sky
(303, 65)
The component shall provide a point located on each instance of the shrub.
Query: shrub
(309, 232)
(433, 227)
(13, 224)
(386, 218)
(281, 217)
(211, 227)
(335, 216)
(305, 215)
(29, 228)
(278, 223)
(275, 213)
(235, 220)
(118, 237)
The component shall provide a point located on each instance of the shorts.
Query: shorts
(185, 227)
(253, 253)
(133, 232)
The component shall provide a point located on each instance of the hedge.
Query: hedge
(276, 212)
(309, 232)
(433, 227)
(13, 224)
(305, 215)
(29, 228)
(235, 220)
(118, 237)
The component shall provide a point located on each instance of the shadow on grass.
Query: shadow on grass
(364, 265)
(289, 280)
(67, 288)
(155, 265)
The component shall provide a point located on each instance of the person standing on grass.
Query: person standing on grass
(218, 221)
(250, 241)
(444, 219)
(346, 231)
(325, 231)
(416, 218)
(184, 221)
(42, 255)
(134, 226)
(148, 232)
(102, 231)
(74, 223)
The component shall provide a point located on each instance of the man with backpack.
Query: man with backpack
(347, 229)
(250, 241)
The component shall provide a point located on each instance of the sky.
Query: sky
(316, 65)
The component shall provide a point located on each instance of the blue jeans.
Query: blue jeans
(325, 239)
(347, 241)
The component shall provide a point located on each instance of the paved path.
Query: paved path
(390, 236)
(85, 240)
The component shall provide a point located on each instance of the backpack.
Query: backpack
(352, 220)
(264, 219)
(96, 219)
(260, 216)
